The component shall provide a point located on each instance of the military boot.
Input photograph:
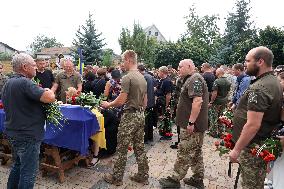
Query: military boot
(169, 183)
(112, 180)
(194, 182)
(139, 179)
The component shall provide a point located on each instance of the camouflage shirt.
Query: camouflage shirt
(3, 79)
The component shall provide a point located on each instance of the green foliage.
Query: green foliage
(273, 38)
(42, 41)
(138, 41)
(5, 56)
(199, 42)
(239, 37)
(107, 58)
(88, 38)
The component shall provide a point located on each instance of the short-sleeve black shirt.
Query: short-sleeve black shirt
(209, 78)
(45, 78)
(164, 87)
(25, 115)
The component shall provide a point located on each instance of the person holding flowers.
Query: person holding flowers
(24, 122)
(256, 116)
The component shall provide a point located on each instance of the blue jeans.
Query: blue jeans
(25, 153)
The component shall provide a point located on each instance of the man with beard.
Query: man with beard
(192, 117)
(256, 115)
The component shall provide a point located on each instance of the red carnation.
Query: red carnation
(269, 157)
(253, 151)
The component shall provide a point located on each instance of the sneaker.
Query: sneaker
(139, 179)
(169, 183)
(193, 182)
(112, 180)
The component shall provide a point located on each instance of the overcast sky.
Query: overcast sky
(22, 20)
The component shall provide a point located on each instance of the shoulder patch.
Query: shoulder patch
(252, 97)
(197, 86)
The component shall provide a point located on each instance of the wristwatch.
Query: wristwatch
(190, 123)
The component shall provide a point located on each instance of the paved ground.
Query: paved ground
(161, 160)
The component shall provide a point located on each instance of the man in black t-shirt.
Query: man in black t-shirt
(24, 120)
(208, 76)
(43, 75)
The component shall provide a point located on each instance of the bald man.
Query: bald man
(65, 79)
(218, 102)
(192, 118)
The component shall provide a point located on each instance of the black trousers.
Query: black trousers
(150, 122)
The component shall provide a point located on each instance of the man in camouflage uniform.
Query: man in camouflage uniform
(192, 117)
(3, 78)
(218, 102)
(131, 129)
(256, 115)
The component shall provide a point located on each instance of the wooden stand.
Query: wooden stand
(55, 161)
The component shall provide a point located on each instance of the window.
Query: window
(156, 33)
(149, 33)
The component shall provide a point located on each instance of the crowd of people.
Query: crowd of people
(191, 98)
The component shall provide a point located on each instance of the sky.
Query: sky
(22, 20)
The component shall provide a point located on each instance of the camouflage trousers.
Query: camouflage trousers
(189, 155)
(215, 128)
(131, 131)
(253, 171)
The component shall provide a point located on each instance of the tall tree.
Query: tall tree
(138, 41)
(273, 38)
(42, 41)
(90, 41)
(240, 35)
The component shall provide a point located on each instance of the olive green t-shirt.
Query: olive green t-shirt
(135, 86)
(222, 86)
(263, 95)
(194, 86)
(64, 82)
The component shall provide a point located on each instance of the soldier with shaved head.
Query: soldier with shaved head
(192, 118)
(219, 99)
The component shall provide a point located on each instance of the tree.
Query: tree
(239, 36)
(89, 40)
(42, 41)
(202, 37)
(138, 41)
(107, 57)
(273, 38)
